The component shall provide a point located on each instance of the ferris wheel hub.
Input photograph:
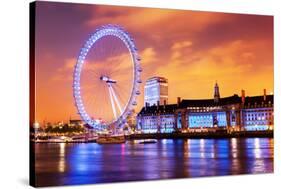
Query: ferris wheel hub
(107, 79)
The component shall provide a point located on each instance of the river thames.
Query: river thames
(89, 163)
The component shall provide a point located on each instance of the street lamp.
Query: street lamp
(36, 127)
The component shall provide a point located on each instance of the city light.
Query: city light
(103, 113)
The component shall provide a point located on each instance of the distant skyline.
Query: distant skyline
(192, 49)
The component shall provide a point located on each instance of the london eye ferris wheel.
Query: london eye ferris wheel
(106, 78)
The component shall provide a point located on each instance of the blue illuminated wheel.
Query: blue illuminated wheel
(106, 84)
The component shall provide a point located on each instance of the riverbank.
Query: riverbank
(61, 141)
(240, 134)
(194, 135)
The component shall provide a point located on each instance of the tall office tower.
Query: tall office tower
(156, 91)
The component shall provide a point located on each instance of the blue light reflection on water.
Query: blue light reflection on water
(85, 163)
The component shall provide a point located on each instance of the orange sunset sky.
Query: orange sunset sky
(192, 49)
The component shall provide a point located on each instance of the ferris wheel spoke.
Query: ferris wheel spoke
(90, 74)
(120, 95)
(104, 100)
(117, 73)
(89, 98)
(115, 98)
(101, 108)
(92, 98)
(117, 56)
(93, 73)
(119, 70)
(112, 103)
(122, 89)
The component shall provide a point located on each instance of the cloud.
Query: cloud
(156, 21)
(248, 55)
(130, 16)
(148, 56)
(230, 63)
(180, 49)
(64, 73)
(180, 45)
(69, 63)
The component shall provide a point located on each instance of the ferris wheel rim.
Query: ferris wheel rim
(120, 33)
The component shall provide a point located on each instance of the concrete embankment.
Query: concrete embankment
(243, 134)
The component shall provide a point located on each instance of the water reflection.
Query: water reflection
(234, 150)
(257, 148)
(202, 148)
(62, 164)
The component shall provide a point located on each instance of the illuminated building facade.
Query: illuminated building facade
(231, 113)
(210, 113)
(156, 119)
(75, 122)
(258, 113)
(156, 91)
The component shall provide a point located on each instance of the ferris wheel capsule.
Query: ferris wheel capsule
(139, 69)
(134, 103)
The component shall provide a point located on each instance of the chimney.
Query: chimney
(158, 103)
(146, 105)
(165, 102)
(179, 101)
(243, 96)
(264, 94)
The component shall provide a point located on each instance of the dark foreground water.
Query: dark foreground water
(86, 163)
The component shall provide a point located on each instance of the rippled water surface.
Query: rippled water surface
(86, 163)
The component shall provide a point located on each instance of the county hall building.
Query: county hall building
(233, 113)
